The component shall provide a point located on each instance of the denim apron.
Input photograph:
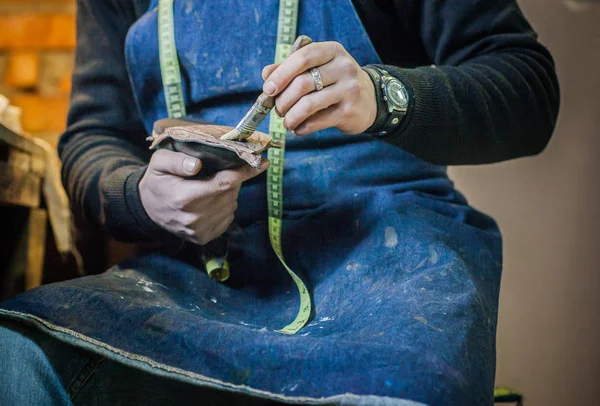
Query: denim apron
(404, 274)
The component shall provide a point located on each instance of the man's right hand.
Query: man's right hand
(198, 210)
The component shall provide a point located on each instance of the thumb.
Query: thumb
(168, 162)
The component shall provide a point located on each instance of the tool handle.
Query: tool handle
(262, 107)
(268, 102)
(300, 42)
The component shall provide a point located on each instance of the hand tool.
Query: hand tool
(261, 108)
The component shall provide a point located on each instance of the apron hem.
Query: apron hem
(79, 340)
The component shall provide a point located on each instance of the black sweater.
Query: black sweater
(492, 95)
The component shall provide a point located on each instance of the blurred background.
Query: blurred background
(547, 206)
(37, 40)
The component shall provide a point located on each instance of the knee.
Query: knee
(27, 375)
(19, 353)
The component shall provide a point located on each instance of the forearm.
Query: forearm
(103, 149)
(494, 108)
(493, 93)
(102, 174)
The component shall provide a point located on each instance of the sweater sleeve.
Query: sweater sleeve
(492, 93)
(102, 150)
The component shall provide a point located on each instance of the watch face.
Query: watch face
(397, 94)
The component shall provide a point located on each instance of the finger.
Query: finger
(230, 179)
(219, 229)
(315, 54)
(217, 225)
(246, 172)
(194, 192)
(303, 85)
(228, 201)
(326, 118)
(267, 70)
(310, 104)
(168, 162)
(201, 217)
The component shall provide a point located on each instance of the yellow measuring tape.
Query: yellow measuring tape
(286, 34)
(171, 77)
(169, 62)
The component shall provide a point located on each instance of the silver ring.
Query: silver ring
(317, 78)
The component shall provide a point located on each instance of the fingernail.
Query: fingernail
(270, 88)
(190, 164)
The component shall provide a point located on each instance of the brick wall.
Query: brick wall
(37, 40)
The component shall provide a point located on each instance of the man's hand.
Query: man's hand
(198, 210)
(347, 100)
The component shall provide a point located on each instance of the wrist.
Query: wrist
(392, 99)
(124, 215)
(138, 195)
(371, 108)
(380, 113)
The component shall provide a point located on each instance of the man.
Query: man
(404, 274)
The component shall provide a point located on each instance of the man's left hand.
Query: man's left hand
(347, 100)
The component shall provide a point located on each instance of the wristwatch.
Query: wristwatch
(392, 101)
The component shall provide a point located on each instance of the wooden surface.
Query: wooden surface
(23, 232)
(19, 187)
(38, 2)
(22, 168)
(33, 248)
(25, 144)
(37, 31)
(37, 40)
(23, 69)
(23, 238)
(42, 113)
(37, 43)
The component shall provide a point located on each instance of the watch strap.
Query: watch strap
(388, 119)
(382, 111)
(393, 121)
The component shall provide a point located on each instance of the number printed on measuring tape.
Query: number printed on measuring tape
(169, 62)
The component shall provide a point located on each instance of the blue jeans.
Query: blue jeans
(38, 369)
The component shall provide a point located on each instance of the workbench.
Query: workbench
(23, 220)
